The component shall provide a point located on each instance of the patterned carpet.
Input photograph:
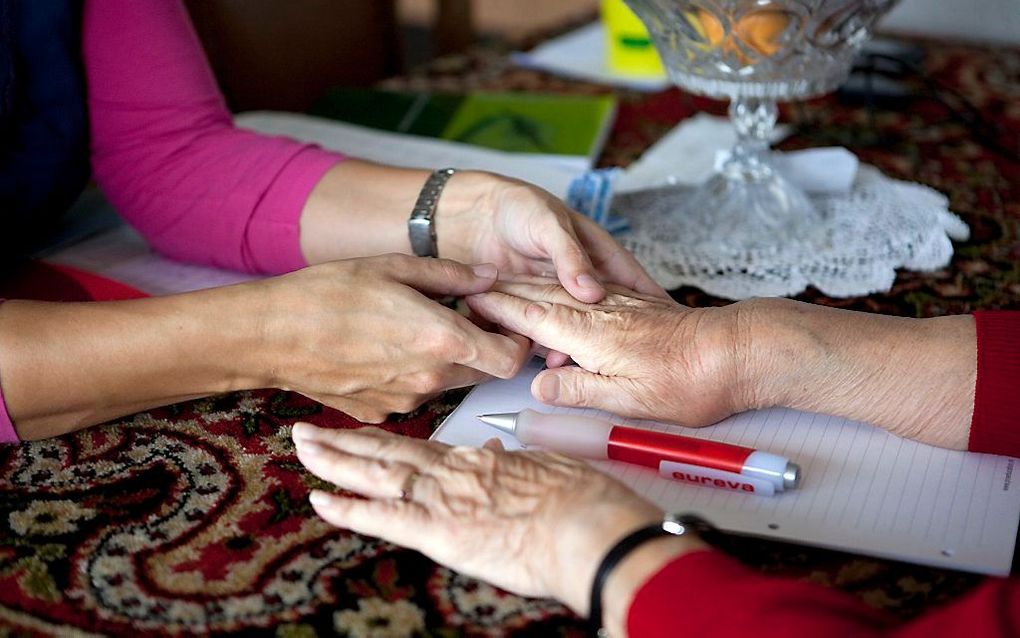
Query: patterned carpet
(194, 519)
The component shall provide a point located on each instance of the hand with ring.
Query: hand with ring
(475, 509)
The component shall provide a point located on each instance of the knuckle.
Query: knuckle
(442, 342)
(571, 391)
(463, 455)
(408, 404)
(371, 415)
(537, 310)
(456, 346)
(427, 382)
(448, 270)
(515, 365)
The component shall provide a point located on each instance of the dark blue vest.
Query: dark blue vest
(44, 155)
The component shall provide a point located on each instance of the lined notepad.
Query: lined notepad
(863, 489)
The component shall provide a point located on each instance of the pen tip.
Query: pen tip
(504, 422)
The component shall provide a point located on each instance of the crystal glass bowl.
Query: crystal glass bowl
(755, 53)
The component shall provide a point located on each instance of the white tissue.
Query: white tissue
(689, 154)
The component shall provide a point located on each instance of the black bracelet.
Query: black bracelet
(623, 547)
(673, 525)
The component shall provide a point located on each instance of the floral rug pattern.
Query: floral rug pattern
(193, 519)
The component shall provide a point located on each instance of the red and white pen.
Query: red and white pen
(681, 458)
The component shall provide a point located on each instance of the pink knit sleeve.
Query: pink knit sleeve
(166, 153)
(7, 432)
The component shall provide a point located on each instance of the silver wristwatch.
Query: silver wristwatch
(421, 226)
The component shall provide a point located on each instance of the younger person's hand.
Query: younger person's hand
(363, 336)
(486, 218)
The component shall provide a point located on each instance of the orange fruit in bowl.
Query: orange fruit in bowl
(761, 31)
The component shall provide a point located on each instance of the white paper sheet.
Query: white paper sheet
(581, 55)
(863, 490)
(552, 172)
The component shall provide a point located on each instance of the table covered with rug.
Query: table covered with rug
(194, 518)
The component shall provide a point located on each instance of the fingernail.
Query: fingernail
(585, 280)
(485, 271)
(318, 498)
(302, 431)
(549, 388)
(310, 448)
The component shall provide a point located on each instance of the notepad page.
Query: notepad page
(863, 490)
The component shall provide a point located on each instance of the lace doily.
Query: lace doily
(882, 224)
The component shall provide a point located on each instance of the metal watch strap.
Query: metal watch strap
(421, 226)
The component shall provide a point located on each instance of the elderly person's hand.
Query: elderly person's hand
(646, 357)
(639, 355)
(535, 523)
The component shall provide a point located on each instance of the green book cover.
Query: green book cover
(517, 122)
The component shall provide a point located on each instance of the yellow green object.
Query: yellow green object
(629, 48)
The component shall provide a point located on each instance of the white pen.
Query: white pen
(681, 458)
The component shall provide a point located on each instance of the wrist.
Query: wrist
(729, 354)
(777, 354)
(583, 542)
(253, 320)
(635, 570)
(466, 204)
(230, 328)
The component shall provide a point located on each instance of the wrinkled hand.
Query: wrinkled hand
(524, 229)
(361, 335)
(640, 356)
(535, 523)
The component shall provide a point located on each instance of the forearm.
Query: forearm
(360, 209)
(67, 366)
(634, 571)
(913, 377)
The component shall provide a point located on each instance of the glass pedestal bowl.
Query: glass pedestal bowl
(755, 53)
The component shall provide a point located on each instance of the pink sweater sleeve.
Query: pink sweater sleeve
(7, 432)
(167, 155)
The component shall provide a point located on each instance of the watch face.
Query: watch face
(423, 241)
(419, 227)
(686, 523)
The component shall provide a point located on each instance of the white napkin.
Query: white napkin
(690, 153)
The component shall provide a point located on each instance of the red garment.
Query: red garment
(708, 594)
(995, 427)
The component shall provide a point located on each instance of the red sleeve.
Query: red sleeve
(995, 426)
(167, 155)
(708, 594)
